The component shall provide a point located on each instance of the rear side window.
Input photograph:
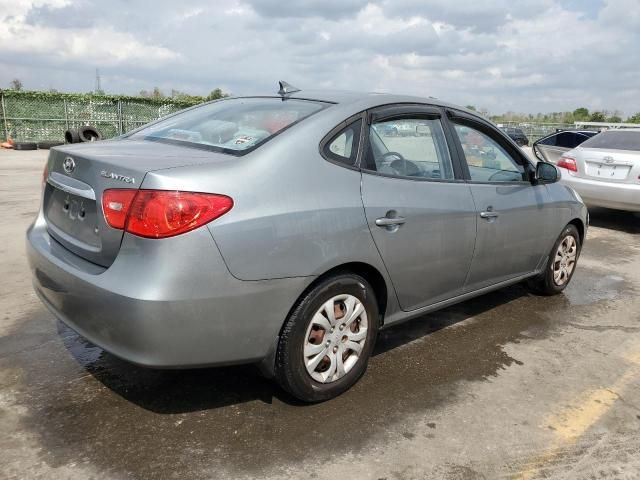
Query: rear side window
(550, 140)
(234, 126)
(566, 140)
(343, 147)
(615, 140)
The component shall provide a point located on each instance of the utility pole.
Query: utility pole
(98, 88)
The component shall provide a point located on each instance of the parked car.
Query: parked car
(605, 170)
(553, 146)
(517, 135)
(291, 238)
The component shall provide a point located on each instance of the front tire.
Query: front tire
(328, 338)
(561, 266)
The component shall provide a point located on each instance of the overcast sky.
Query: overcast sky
(520, 55)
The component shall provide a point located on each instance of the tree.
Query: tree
(16, 84)
(157, 93)
(614, 119)
(598, 117)
(217, 94)
(581, 113)
(471, 107)
(634, 118)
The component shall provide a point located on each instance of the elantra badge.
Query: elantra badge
(117, 176)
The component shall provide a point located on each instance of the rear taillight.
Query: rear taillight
(115, 206)
(45, 173)
(568, 162)
(161, 213)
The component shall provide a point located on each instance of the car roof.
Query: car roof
(368, 100)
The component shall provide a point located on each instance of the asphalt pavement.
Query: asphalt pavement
(508, 385)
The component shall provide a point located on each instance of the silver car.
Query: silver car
(605, 170)
(285, 231)
(553, 146)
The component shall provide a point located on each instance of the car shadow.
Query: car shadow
(627, 222)
(192, 390)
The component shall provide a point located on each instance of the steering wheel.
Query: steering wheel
(400, 165)
(507, 176)
(391, 156)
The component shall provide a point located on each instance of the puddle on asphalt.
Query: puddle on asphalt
(86, 405)
(598, 286)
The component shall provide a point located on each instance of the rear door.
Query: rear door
(418, 208)
(514, 218)
(552, 147)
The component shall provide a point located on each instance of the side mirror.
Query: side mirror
(546, 173)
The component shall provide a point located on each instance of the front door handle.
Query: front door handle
(389, 221)
(489, 214)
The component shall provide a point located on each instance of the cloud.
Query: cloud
(332, 9)
(529, 55)
(73, 42)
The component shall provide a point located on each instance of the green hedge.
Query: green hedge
(35, 116)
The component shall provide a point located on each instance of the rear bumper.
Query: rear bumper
(167, 303)
(597, 193)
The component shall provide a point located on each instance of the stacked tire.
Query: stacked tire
(85, 133)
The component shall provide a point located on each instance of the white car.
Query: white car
(605, 170)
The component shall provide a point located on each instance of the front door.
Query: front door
(513, 223)
(422, 218)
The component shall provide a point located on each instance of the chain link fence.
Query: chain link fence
(535, 131)
(39, 116)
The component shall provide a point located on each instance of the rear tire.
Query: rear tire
(47, 144)
(71, 136)
(25, 146)
(314, 363)
(89, 134)
(561, 265)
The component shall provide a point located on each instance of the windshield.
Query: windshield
(234, 126)
(615, 140)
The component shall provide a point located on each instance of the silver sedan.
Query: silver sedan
(605, 170)
(285, 231)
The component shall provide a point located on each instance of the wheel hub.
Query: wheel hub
(564, 260)
(335, 337)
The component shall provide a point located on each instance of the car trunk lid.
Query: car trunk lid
(79, 174)
(609, 165)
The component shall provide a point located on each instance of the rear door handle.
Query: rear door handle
(389, 222)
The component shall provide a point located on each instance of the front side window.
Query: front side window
(233, 126)
(409, 147)
(487, 160)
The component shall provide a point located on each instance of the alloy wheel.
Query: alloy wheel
(564, 260)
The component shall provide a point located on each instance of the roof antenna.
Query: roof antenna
(286, 89)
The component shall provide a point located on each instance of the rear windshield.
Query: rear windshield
(614, 140)
(234, 126)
